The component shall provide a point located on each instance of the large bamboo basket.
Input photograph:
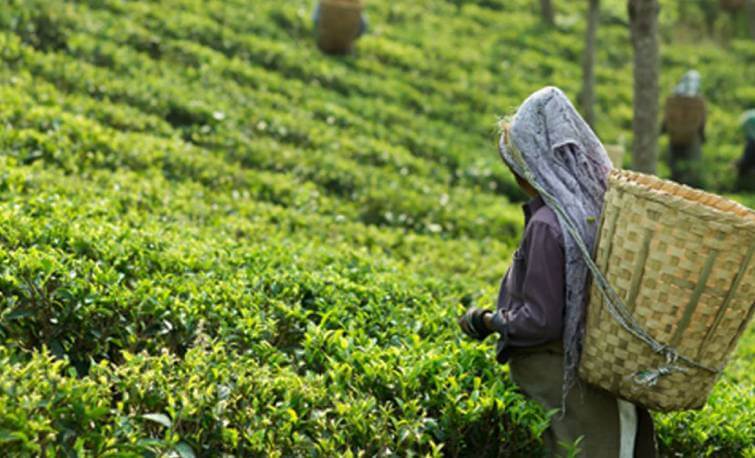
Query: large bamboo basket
(682, 262)
(339, 24)
(731, 5)
(684, 118)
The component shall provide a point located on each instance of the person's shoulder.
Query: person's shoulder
(545, 219)
(546, 216)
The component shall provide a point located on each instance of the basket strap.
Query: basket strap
(615, 306)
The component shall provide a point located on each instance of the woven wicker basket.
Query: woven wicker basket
(682, 262)
(684, 118)
(338, 26)
(731, 5)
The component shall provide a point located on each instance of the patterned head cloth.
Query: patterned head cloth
(689, 85)
(553, 148)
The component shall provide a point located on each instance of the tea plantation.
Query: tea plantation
(215, 240)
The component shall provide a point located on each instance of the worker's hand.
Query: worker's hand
(472, 323)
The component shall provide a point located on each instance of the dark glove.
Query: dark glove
(473, 325)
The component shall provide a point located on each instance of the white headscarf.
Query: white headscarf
(689, 85)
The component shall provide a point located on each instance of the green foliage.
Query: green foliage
(214, 239)
(726, 425)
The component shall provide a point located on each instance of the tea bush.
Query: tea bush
(215, 240)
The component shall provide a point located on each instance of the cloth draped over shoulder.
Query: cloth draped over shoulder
(553, 148)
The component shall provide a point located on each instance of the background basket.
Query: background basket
(683, 118)
(682, 262)
(731, 5)
(339, 24)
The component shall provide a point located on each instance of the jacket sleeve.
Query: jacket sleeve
(534, 290)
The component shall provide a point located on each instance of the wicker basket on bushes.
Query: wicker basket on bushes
(682, 263)
(731, 5)
(683, 118)
(338, 25)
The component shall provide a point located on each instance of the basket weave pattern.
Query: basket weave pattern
(682, 262)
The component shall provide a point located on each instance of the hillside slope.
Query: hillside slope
(215, 239)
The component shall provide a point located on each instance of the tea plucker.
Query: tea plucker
(540, 309)
(684, 122)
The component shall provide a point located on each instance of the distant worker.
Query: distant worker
(746, 164)
(338, 23)
(684, 122)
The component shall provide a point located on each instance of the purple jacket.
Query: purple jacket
(531, 300)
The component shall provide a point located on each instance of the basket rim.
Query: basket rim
(693, 201)
(344, 4)
(687, 98)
